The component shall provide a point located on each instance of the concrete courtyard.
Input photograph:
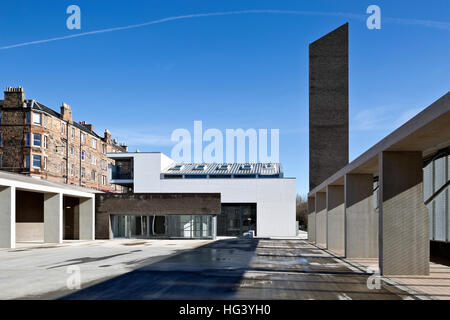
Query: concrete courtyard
(228, 268)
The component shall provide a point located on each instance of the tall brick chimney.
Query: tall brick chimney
(107, 136)
(66, 113)
(87, 125)
(328, 105)
(14, 97)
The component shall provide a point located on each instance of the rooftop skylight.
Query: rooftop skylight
(200, 167)
(177, 167)
(246, 166)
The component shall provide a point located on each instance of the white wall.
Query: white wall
(275, 197)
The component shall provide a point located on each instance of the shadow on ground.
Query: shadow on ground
(212, 271)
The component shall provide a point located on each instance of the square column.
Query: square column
(311, 219)
(336, 219)
(404, 241)
(321, 219)
(7, 217)
(53, 217)
(361, 218)
(87, 219)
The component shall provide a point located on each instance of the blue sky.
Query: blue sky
(143, 83)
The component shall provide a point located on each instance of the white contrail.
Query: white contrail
(433, 24)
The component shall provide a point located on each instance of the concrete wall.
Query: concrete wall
(361, 217)
(404, 218)
(312, 227)
(312, 219)
(336, 219)
(53, 217)
(328, 105)
(29, 231)
(7, 217)
(86, 219)
(321, 219)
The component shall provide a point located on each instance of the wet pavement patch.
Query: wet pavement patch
(243, 269)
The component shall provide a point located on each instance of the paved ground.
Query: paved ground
(224, 269)
(435, 286)
(164, 269)
(38, 271)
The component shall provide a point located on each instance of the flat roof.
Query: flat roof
(427, 132)
(22, 182)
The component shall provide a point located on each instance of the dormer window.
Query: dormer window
(200, 167)
(269, 166)
(177, 167)
(223, 167)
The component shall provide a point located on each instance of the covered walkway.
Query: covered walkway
(41, 210)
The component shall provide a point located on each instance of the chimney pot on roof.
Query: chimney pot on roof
(66, 112)
(14, 97)
(87, 125)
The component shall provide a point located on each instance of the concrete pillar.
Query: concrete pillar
(7, 217)
(336, 219)
(53, 217)
(87, 219)
(404, 242)
(361, 219)
(312, 219)
(214, 227)
(321, 219)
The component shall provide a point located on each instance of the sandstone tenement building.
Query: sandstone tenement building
(40, 142)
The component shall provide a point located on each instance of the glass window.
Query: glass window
(93, 175)
(37, 140)
(45, 162)
(63, 167)
(83, 155)
(45, 142)
(83, 138)
(0, 118)
(440, 173)
(104, 180)
(1, 161)
(27, 161)
(94, 144)
(104, 148)
(36, 161)
(72, 133)
(37, 118)
(1, 140)
(27, 139)
(94, 159)
(83, 172)
(27, 118)
(45, 121)
(71, 150)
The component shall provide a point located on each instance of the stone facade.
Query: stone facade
(37, 141)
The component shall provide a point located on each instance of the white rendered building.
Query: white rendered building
(253, 196)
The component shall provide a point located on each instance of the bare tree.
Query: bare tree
(302, 212)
